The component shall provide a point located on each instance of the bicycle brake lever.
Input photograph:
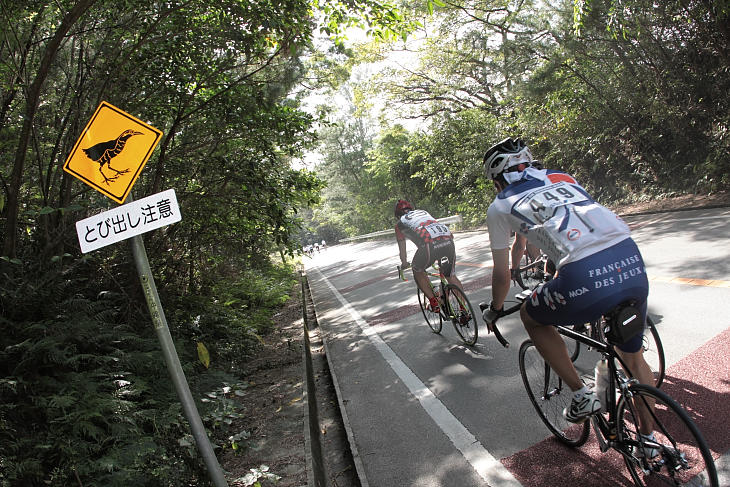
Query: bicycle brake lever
(499, 336)
(493, 327)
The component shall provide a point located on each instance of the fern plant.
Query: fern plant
(85, 398)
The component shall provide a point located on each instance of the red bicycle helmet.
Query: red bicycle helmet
(402, 207)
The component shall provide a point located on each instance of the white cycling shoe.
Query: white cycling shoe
(583, 407)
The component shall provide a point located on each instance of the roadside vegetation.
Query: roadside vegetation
(85, 397)
(632, 97)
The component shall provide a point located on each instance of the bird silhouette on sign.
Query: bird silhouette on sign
(104, 152)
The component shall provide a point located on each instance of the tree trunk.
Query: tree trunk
(32, 96)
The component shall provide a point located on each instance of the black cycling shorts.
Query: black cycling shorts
(433, 252)
(583, 290)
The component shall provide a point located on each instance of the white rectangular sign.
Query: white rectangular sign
(128, 220)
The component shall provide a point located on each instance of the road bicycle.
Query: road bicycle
(454, 306)
(531, 271)
(677, 455)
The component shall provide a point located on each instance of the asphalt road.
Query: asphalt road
(424, 410)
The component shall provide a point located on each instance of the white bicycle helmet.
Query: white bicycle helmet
(505, 157)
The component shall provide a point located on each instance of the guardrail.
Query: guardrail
(447, 221)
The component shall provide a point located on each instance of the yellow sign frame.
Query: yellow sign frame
(112, 136)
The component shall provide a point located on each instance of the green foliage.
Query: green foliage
(439, 171)
(84, 392)
(240, 306)
(631, 97)
(81, 388)
(452, 163)
(626, 106)
(382, 20)
(84, 396)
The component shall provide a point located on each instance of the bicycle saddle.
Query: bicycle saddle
(622, 323)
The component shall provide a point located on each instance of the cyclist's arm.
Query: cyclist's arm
(403, 253)
(518, 250)
(500, 277)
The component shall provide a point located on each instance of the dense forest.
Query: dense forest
(85, 398)
(629, 96)
(632, 96)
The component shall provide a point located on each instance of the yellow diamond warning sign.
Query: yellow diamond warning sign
(111, 152)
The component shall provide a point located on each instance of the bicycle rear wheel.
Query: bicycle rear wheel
(654, 351)
(461, 314)
(550, 396)
(433, 319)
(682, 456)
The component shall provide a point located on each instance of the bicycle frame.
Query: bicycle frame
(454, 305)
(630, 413)
(607, 427)
(443, 282)
(538, 261)
(439, 275)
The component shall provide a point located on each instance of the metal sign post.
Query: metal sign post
(106, 141)
(173, 362)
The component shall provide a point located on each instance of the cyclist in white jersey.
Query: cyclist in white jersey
(598, 264)
(434, 242)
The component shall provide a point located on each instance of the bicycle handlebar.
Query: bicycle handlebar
(493, 327)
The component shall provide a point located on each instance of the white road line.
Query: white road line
(485, 465)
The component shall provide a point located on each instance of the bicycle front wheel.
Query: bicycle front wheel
(550, 396)
(433, 319)
(531, 274)
(679, 455)
(574, 345)
(461, 314)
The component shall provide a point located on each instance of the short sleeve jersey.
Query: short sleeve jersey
(421, 228)
(555, 214)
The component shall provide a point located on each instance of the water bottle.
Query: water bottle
(601, 386)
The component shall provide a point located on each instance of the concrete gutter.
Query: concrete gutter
(316, 476)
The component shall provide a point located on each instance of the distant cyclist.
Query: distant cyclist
(520, 248)
(598, 264)
(434, 241)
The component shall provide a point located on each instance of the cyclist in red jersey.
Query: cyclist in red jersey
(434, 241)
(598, 264)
